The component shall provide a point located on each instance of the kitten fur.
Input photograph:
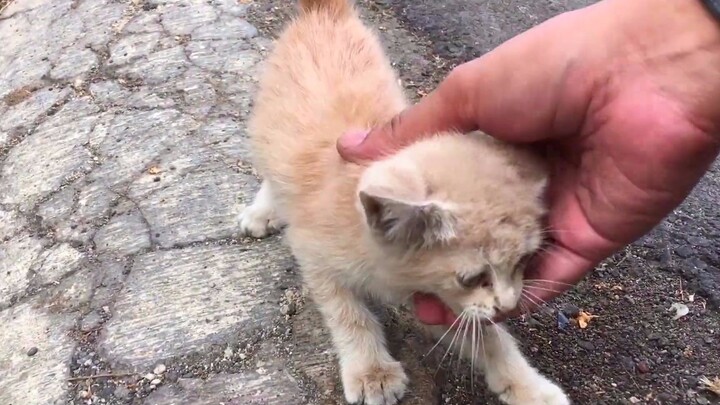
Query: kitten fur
(452, 215)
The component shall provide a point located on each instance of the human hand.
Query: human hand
(623, 97)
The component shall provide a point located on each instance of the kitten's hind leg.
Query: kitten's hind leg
(370, 375)
(507, 372)
(260, 219)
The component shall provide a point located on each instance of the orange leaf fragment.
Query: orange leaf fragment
(583, 319)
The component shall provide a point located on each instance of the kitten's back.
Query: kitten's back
(327, 74)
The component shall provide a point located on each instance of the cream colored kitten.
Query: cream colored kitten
(452, 215)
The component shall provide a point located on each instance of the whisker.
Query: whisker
(472, 356)
(544, 232)
(523, 307)
(445, 334)
(449, 348)
(497, 330)
(462, 346)
(482, 342)
(540, 280)
(542, 301)
(540, 305)
(534, 287)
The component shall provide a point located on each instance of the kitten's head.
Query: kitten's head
(456, 216)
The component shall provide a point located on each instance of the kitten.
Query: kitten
(452, 215)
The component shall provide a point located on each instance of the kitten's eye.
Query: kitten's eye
(478, 280)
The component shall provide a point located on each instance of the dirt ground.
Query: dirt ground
(633, 352)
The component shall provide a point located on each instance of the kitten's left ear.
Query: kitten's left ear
(406, 224)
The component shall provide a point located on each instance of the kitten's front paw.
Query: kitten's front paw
(539, 392)
(259, 221)
(375, 384)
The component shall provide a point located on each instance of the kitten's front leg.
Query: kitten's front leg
(370, 375)
(507, 372)
(260, 218)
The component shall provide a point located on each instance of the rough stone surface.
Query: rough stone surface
(224, 297)
(266, 387)
(40, 378)
(124, 164)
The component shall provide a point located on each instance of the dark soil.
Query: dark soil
(633, 352)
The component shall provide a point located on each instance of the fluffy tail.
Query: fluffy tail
(335, 8)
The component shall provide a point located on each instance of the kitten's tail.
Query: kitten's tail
(335, 8)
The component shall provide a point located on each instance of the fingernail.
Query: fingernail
(352, 139)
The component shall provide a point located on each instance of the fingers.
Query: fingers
(554, 272)
(444, 109)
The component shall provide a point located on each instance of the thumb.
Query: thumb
(442, 110)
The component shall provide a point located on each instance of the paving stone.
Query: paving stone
(125, 234)
(227, 27)
(38, 379)
(10, 223)
(56, 262)
(178, 302)
(70, 294)
(58, 207)
(203, 207)
(131, 141)
(145, 22)
(179, 19)
(112, 93)
(132, 47)
(26, 112)
(74, 63)
(212, 55)
(268, 388)
(24, 180)
(158, 67)
(16, 258)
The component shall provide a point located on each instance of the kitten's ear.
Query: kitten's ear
(408, 225)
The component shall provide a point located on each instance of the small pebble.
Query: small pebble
(288, 309)
(121, 392)
(155, 381)
(642, 367)
(562, 321)
(159, 369)
(84, 394)
(149, 376)
(33, 351)
(586, 345)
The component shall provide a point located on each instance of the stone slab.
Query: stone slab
(178, 302)
(39, 379)
(268, 387)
